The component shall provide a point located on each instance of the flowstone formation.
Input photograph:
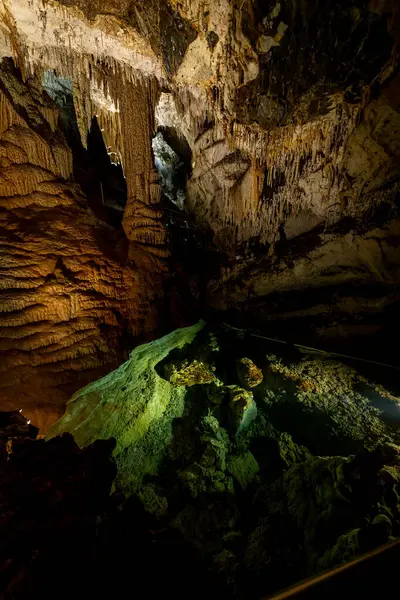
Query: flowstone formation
(71, 294)
(266, 486)
(135, 406)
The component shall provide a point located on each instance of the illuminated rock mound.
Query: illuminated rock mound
(269, 485)
(134, 405)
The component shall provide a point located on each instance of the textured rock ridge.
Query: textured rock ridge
(70, 293)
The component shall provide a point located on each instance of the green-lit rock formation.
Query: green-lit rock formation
(332, 507)
(267, 486)
(135, 406)
(326, 405)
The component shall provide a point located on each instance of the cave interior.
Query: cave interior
(199, 298)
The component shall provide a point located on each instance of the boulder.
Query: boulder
(243, 409)
(188, 372)
(243, 468)
(248, 373)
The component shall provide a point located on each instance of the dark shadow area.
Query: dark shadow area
(63, 534)
(101, 180)
(373, 576)
(52, 497)
(194, 258)
(106, 175)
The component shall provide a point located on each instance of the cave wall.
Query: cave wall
(296, 166)
(71, 296)
(336, 289)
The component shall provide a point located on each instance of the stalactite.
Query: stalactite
(113, 90)
(295, 151)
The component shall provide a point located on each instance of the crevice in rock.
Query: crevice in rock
(96, 169)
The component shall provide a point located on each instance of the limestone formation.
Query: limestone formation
(70, 291)
(242, 408)
(222, 66)
(163, 160)
(135, 406)
(189, 373)
(289, 120)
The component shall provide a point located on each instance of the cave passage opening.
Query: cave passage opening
(193, 254)
(190, 243)
(106, 175)
(96, 168)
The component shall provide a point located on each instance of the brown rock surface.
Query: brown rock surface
(69, 292)
(248, 373)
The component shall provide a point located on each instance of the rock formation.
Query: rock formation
(163, 161)
(286, 118)
(303, 476)
(141, 429)
(71, 292)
